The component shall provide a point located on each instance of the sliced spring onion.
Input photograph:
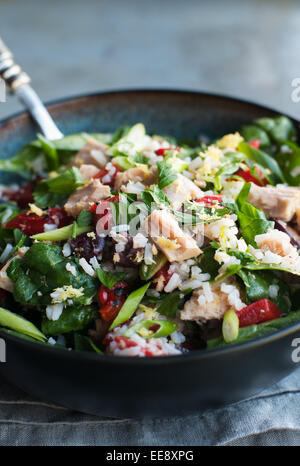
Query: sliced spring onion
(230, 326)
(130, 306)
(19, 324)
(136, 136)
(143, 328)
(122, 162)
(60, 234)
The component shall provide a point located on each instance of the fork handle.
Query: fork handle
(18, 83)
(10, 71)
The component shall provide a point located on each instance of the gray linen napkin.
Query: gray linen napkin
(271, 418)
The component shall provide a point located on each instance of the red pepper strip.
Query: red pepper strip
(211, 201)
(124, 342)
(104, 171)
(258, 312)
(255, 143)
(31, 224)
(162, 151)
(248, 177)
(112, 300)
(103, 294)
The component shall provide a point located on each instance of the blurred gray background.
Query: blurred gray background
(247, 49)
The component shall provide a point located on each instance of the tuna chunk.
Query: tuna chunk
(93, 153)
(88, 171)
(140, 174)
(162, 227)
(277, 242)
(181, 190)
(84, 197)
(6, 283)
(282, 202)
(212, 301)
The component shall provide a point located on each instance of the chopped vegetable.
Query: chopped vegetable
(152, 329)
(260, 311)
(130, 305)
(230, 326)
(19, 324)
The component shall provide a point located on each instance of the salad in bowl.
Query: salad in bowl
(132, 244)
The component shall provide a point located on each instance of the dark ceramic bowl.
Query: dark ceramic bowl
(123, 386)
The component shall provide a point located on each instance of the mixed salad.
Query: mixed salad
(138, 245)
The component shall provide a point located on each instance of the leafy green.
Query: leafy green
(253, 132)
(251, 219)
(257, 285)
(51, 191)
(73, 318)
(263, 159)
(22, 163)
(194, 213)
(280, 129)
(109, 279)
(290, 163)
(155, 196)
(8, 211)
(207, 262)
(148, 271)
(84, 343)
(120, 133)
(50, 152)
(230, 163)
(170, 304)
(42, 270)
(166, 174)
(84, 218)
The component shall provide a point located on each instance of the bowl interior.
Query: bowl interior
(182, 114)
(178, 113)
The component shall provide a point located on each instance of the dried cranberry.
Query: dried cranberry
(87, 245)
(22, 196)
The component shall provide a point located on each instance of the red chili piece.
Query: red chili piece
(104, 172)
(162, 151)
(31, 224)
(211, 201)
(249, 178)
(112, 300)
(255, 143)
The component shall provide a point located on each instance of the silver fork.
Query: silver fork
(18, 84)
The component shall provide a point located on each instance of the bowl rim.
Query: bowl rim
(152, 360)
